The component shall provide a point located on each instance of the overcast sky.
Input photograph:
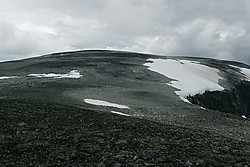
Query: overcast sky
(205, 28)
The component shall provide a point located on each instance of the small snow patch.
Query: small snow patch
(119, 113)
(10, 77)
(190, 77)
(105, 103)
(71, 74)
(243, 116)
(244, 71)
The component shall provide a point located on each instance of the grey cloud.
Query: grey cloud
(216, 29)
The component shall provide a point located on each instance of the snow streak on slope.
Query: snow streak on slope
(71, 74)
(5, 77)
(119, 113)
(104, 103)
(244, 71)
(189, 77)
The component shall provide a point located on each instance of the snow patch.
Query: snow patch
(243, 116)
(244, 71)
(71, 74)
(119, 113)
(10, 77)
(105, 103)
(189, 77)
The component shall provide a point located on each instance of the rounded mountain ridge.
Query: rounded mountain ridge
(160, 88)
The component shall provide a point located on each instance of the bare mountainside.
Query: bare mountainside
(111, 108)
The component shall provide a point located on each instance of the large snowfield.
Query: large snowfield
(189, 77)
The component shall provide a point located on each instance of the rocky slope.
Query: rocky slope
(46, 121)
(235, 100)
(34, 134)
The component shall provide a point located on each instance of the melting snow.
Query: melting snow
(104, 103)
(5, 77)
(71, 74)
(244, 71)
(115, 112)
(189, 77)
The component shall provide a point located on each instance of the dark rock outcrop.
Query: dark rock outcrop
(235, 101)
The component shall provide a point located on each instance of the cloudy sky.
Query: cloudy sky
(215, 28)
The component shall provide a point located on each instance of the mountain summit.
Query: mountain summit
(92, 99)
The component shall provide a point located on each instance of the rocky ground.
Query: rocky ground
(40, 134)
(45, 122)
